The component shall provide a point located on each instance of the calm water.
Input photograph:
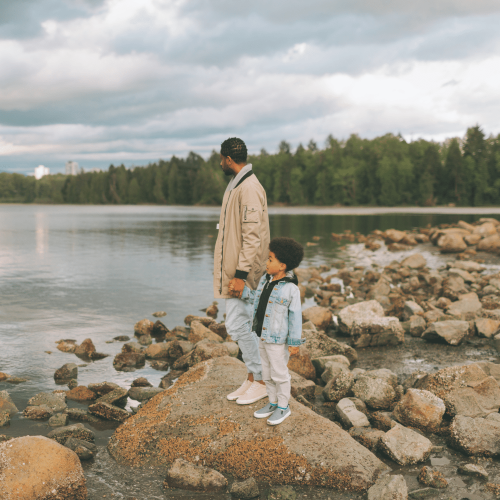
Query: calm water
(87, 271)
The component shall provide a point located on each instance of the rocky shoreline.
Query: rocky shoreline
(365, 419)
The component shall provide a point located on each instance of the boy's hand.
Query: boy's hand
(293, 349)
(236, 287)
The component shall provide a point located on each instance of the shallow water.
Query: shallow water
(91, 272)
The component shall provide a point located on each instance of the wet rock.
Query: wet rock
(41, 466)
(338, 387)
(81, 415)
(203, 350)
(143, 327)
(420, 409)
(141, 382)
(405, 446)
(230, 429)
(6, 404)
(245, 489)
(59, 420)
(78, 431)
(282, 493)
(108, 411)
(57, 402)
(145, 340)
(301, 363)
(204, 320)
(116, 397)
(103, 388)
(121, 338)
(475, 436)
(170, 378)
(368, 437)
(301, 386)
(130, 360)
(159, 330)
(451, 332)
(389, 488)
(486, 327)
(186, 476)
(160, 365)
(4, 418)
(85, 349)
(321, 317)
(81, 393)
(132, 347)
(66, 372)
(432, 478)
(374, 392)
(72, 384)
(158, 351)
(466, 307)
(473, 470)
(41, 412)
(67, 346)
(200, 332)
(143, 393)
(159, 314)
(451, 243)
(83, 449)
(349, 415)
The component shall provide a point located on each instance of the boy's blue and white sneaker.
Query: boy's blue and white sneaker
(279, 415)
(266, 411)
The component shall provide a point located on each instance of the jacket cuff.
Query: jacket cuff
(295, 342)
(241, 275)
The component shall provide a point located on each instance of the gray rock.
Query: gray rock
(6, 403)
(362, 312)
(143, 393)
(475, 436)
(449, 332)
(382, 420)
(57, 402)
(405, 446)
(66, 372)
(40, 412)
(333, 370)
(59, 420)
(320, 363)
(374, 392)
(389, 488)
(319, 345)
(132, 347)
(412, 309)
(72, 384)
(417, 326)
(466, 307)
(390, 377)
(349, 415)
(245, 489)
(83, 449)
(78, 431)
(186, 476)
(300, 386)
(117, 397)
(368, 437)
(473, 470)
(414, 379)
(107, 411)
(420, 409)
(82, 415)
(339, 387)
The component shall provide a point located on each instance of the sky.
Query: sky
(127, 81)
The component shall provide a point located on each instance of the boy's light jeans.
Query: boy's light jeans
(239, 327)
(275, 372)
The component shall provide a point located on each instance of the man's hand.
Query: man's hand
(293, 349)
(236, 287)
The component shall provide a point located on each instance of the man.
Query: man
(240, 257)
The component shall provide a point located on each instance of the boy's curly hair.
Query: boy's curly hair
(287, 251)
(235, 148)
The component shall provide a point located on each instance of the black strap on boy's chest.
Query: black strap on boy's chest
(246, 176)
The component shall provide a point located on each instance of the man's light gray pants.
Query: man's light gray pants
(239, 327)
(275, 372)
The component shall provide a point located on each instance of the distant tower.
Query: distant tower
(40, 171)
(72, 168)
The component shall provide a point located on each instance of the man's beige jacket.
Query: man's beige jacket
(243, 240)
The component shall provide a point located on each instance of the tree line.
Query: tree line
(385, 171)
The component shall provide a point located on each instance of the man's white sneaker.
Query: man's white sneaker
(255, 392)
(240, 391)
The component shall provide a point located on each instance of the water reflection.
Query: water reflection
(42, 233)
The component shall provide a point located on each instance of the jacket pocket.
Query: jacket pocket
(250, 214)
(278, 320)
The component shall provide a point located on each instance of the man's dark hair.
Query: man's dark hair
(287, 251)
(235, 148)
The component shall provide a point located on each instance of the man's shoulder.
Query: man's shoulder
(251, 184)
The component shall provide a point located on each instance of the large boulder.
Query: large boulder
(187, 476)
(306, 449)
(420, 409)
(447, 332)
(66, 372)
(475, 436)
(301, 363)
(321, 317)
(405, 446)
(200, 332)
(465, 390)
(38, 467)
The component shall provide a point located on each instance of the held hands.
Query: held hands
(236, 287)
(293, 349)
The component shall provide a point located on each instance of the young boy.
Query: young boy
(277, 321)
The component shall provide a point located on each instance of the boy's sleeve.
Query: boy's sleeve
(295, 320)
(248, 295)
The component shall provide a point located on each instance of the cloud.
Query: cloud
(120, 80)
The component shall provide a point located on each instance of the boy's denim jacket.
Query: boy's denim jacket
(283, 318)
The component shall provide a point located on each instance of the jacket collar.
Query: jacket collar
(289, 278)
(234, 181)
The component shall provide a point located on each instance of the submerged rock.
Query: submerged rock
(83, 449)
(57, 402)
(432, 478)
(66, 372)
(154, 437)
(78, 431)
(42, 467)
